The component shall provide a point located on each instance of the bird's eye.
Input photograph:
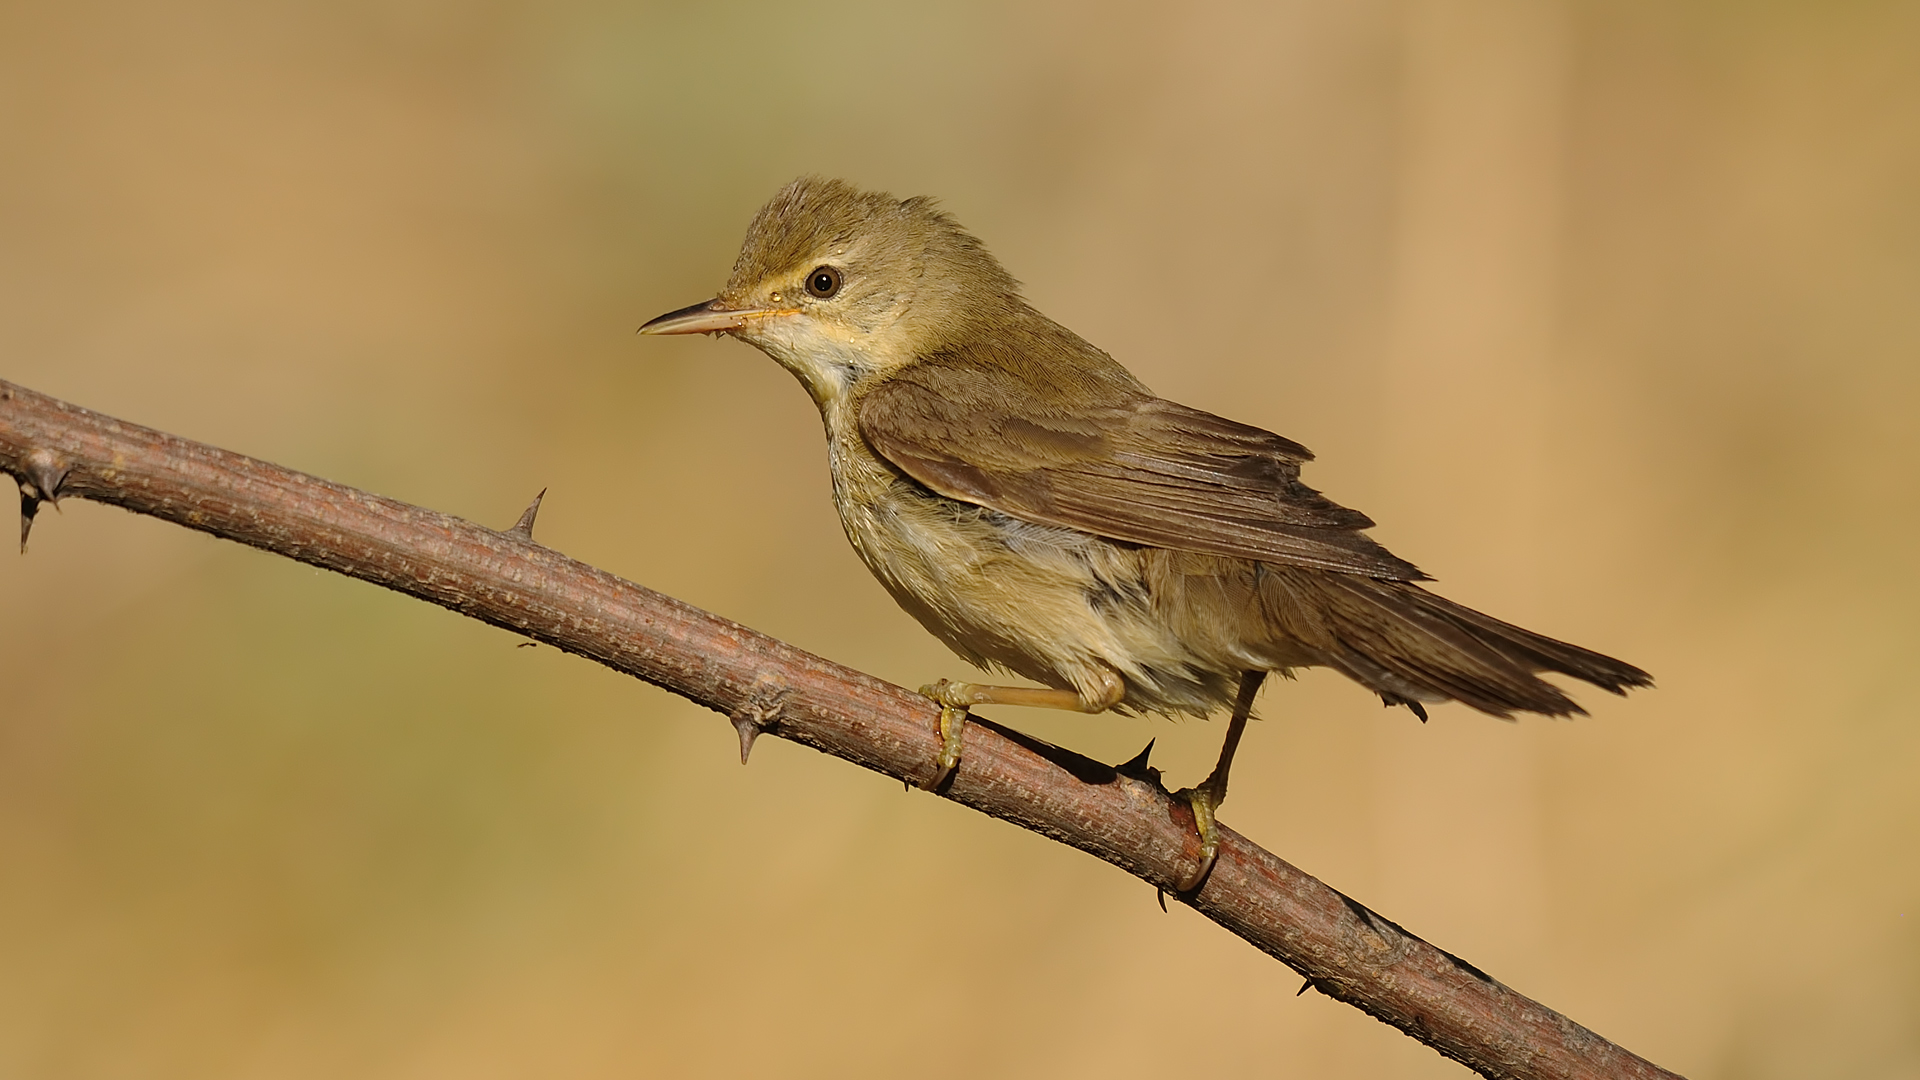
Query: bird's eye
(823, 282)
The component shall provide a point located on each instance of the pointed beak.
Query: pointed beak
(710, 316)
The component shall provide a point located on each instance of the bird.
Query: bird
(1037, 508)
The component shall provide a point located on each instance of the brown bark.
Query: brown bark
(56, 450)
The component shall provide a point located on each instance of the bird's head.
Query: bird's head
(839, 285)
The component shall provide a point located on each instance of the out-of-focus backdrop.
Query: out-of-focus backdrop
(1609, 312)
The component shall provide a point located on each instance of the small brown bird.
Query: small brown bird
(1039, 510)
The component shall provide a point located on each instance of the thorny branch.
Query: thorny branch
(1120, 814)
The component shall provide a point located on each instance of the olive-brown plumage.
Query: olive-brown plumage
(1038, 509)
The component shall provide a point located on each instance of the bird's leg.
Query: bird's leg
(956, 698)
(1213, 790)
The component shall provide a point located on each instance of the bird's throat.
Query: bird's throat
(828, 367)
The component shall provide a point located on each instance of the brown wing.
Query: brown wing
(1130, 467)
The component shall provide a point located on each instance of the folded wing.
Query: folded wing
(1129, 466)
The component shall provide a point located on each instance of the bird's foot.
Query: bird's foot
(1203, 801)
(1212, 791)
(954, 699)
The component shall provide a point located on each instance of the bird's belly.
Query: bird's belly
(1052, 604)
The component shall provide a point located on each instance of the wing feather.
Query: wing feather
(1127, 466)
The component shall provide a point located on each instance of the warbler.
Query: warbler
(1042, 512)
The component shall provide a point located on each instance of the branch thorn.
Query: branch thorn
(759, 712)
(43, 474)
(524, 527)
(1137, 768)
(29, 506)
(46, 472)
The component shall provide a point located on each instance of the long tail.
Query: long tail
(1410, 646)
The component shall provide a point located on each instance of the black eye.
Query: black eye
(823, 282)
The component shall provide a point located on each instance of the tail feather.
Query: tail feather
(1409, 645)
(1550, 654)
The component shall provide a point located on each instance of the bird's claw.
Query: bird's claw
(1202, 800)
(953, 726)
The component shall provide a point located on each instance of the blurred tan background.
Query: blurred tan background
(1609, 312)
